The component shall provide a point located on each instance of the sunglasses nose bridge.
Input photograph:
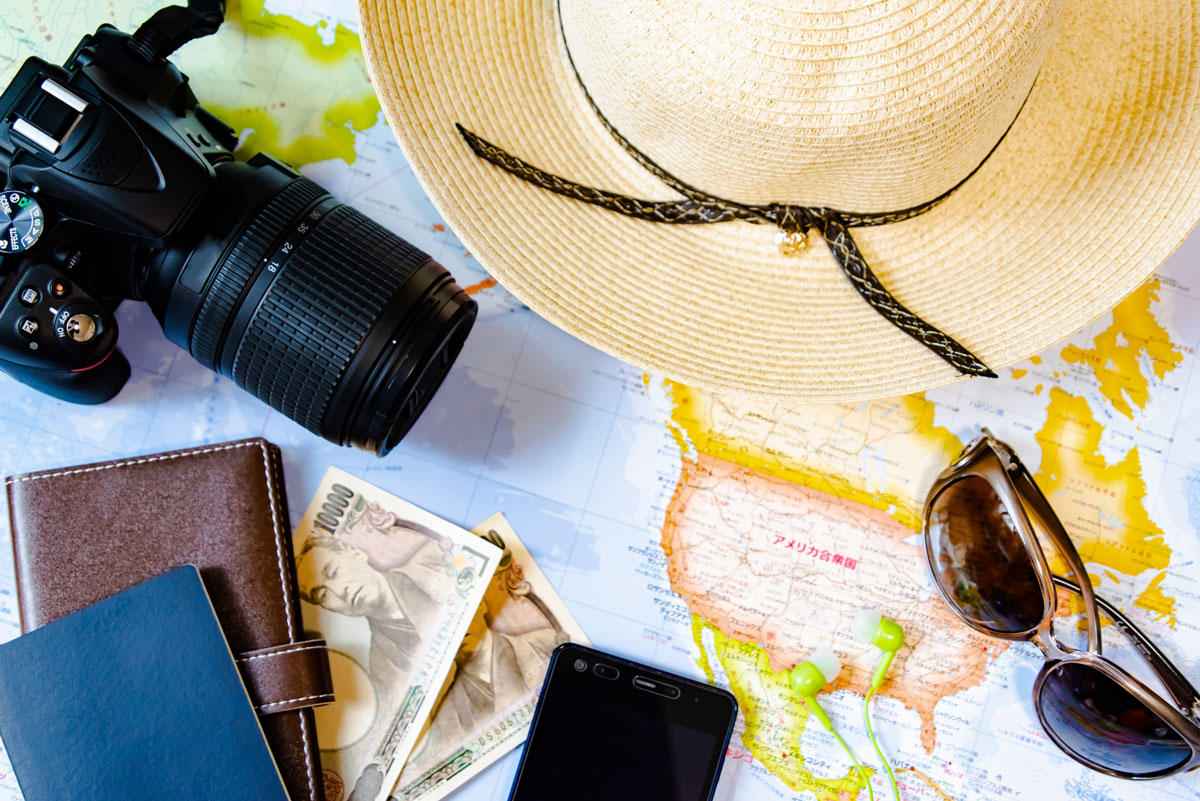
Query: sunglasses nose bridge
(1052, 652)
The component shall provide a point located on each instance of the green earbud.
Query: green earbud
(810, 677)
(885, 634)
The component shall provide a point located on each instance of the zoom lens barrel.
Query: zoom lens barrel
(312, 307)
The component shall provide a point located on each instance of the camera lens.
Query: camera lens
(311, 306)
(581, 665)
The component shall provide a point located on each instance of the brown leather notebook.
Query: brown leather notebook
(81, 534)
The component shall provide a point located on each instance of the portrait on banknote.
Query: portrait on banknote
(393, 590)
(394, 586)
(501, 660)
(488, 698)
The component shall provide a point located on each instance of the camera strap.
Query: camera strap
(172, 27)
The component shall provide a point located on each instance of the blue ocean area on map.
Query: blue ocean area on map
(1191, 496)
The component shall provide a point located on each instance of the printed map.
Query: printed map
(719, 537)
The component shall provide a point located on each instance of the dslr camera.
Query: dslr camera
(119, 185)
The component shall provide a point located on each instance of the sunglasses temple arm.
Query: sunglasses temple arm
(1037, 503)
(1185, 695)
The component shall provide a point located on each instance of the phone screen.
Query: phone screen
(607, 729)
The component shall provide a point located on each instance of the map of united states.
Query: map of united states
(785, 519)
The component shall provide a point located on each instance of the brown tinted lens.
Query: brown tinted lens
(1099, 721)
(979, 559)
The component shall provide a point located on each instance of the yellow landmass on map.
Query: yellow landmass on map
(1100, 504)
(272, 76)
(882, 453)
(774, 715)
(1116, 355)
(266, 74)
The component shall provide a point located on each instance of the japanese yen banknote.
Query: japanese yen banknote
(393, 590)
(493, 686)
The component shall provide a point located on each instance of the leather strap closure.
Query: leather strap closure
(284, 677)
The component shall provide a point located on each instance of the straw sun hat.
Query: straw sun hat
(974, 179)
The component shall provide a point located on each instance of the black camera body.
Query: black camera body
(114, 158)
(120, 185)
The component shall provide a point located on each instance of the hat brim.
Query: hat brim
(1097, 182)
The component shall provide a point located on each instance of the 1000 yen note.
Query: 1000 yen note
(489, 698)
(392, 590)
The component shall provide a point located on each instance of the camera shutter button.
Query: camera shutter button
(78, 326)
(81, 327)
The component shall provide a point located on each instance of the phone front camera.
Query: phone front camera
(606, 672)
(581, 665)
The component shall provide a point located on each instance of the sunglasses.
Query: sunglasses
(988, 564)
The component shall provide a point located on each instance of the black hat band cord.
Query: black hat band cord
(700, 207)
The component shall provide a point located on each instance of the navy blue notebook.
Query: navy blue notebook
(134, 698)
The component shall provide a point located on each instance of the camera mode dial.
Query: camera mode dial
(21, 221)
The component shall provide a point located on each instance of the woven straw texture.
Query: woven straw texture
(867, 107)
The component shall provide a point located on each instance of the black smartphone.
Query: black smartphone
(608, 729)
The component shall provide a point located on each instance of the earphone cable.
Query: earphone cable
(878, 750)
(866, 779)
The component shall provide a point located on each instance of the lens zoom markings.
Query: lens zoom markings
(233, 274)
(317, 312)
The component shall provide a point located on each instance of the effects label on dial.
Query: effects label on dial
(21, 222)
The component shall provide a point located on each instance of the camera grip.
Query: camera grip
(94, 385)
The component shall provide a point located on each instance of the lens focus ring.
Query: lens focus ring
(238, 266)
(316, 314)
